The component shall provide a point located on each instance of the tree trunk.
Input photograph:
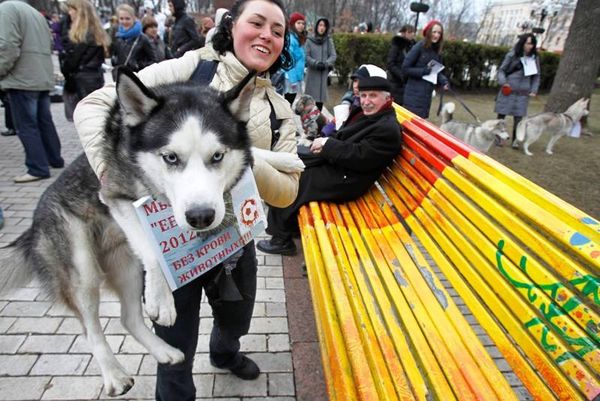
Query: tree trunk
(580, 61)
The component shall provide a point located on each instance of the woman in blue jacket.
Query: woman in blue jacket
(417, 64)
(294, 77)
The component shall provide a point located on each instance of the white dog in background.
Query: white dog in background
(480, 136)
(557, 125)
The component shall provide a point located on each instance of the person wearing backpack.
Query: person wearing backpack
(252, 37)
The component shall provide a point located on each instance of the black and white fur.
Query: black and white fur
(530, 129)
(183, 142)
(480, 136)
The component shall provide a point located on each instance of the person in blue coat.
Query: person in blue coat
(417, 64)
(294, 77)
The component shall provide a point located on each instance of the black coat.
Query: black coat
(142, 55)
(184, 36)
(417, 92)
(81, 65)
(353, 159)
(398, 50)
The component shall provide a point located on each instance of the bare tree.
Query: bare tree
(580, 61)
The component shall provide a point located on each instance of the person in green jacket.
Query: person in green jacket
(27, 74)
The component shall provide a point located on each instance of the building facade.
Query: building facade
(504, 20)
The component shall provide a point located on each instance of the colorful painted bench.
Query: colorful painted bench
(447, 231)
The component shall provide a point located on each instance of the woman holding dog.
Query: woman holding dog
(417, 65)
(519, 79)
(251, 38)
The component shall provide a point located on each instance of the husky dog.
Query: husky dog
(182, 142)
(557, 125)
(479, 136)
(312, 119)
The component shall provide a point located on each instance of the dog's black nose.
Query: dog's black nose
(200, 217)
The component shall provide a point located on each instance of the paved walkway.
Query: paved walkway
(43, 355)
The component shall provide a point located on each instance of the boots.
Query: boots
(278, 245)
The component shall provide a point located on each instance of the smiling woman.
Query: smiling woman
(252, 37)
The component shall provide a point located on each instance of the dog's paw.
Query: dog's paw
(117, 382)
(168, 355)
(528, 153)
(549, 152)
(160, 305)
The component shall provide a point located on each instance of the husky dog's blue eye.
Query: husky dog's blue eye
(171, 159)
(217, 157)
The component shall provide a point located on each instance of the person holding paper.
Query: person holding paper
(251, 37)
(344, 166)
(519, 79)
(422, 67)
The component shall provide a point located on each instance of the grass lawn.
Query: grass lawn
(572, 173)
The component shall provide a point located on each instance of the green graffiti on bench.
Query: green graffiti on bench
(582, 345)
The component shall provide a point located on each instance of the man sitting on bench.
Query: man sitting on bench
(342, 167)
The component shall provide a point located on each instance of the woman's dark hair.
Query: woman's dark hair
(223, 41)
(519, 47)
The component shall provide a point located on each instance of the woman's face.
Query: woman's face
(72, 13)
(355, 87)
(151, 31)
(436, 33)
(528, 46)
(125, 19)
(299, 25)
(258, 35)
(321, 28)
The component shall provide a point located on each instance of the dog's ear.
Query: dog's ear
(136, 100)
(238, 98)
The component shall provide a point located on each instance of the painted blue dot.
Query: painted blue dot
(578, 240)
(588, 220)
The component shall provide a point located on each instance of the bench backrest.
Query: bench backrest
(524, 262)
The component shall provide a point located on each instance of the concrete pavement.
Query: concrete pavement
(43, 355)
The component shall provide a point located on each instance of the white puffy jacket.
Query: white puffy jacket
(276, 188)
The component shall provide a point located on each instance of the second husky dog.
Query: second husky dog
(184, 143)
(479, 136)
(556, 124)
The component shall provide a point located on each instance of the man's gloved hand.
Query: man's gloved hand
(321, 66)
(282, 161)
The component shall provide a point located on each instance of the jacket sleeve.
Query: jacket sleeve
(277, 188)
(194, 41)
(10, 43)
(368, 154)
(409, 67)
(150, 55)
(332, 56)
(91, 112)
(535, 81)
(311, 62)
(502, 70)
(394, 60)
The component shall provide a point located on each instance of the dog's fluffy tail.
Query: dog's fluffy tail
(521, 129)
(447, 112)
(15, 268)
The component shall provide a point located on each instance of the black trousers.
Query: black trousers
(231, 321)
(516, 121)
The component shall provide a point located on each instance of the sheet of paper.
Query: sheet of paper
(435, 70)
(529, 66)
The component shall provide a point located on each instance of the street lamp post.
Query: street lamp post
(418, 8)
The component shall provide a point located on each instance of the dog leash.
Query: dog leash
(462, 103)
